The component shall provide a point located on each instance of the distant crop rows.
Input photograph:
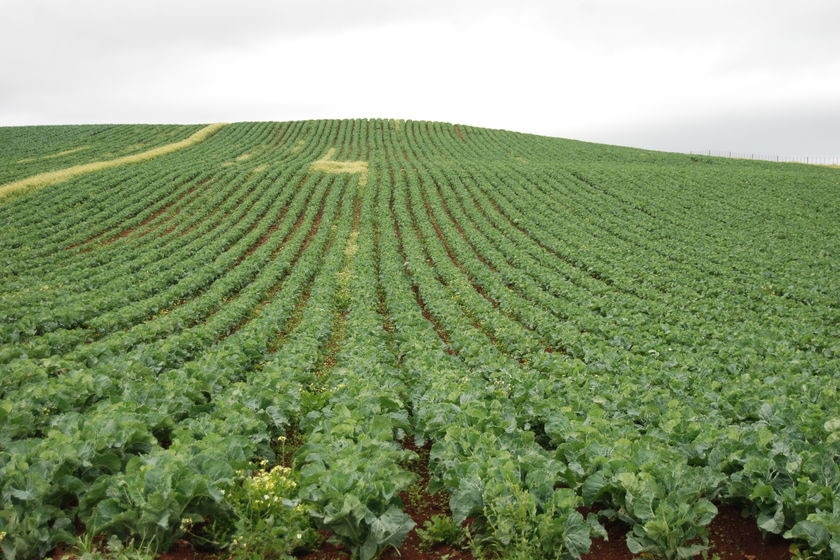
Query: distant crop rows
(28, 150)
(65, 174)
(572, 328)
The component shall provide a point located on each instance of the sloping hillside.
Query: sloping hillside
(566, 328)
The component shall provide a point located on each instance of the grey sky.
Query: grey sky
(747, 76)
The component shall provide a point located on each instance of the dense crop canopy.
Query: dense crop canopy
(570, 328)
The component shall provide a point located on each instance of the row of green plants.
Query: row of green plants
(820, 473)
(243, 352)
(498, 366)
(495, 473)
(249, 229)
(172, 274)
(141, 376)
(239, 354)
(28, 150)
(111, 268)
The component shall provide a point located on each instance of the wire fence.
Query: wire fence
(813, 160)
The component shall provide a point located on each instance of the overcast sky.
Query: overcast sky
(683, 75)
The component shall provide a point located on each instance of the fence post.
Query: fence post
(815, 160)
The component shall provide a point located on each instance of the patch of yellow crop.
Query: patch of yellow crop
(53, 177)
(53, 156)
(352, 244)
(328, 165)
(345, 277)
(133, 147)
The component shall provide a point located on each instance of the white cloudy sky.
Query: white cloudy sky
(744, 75)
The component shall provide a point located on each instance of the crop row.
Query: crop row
(31, 150)
(566, 326)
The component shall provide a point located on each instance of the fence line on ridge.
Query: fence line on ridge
(814, 160)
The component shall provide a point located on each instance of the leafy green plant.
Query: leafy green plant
(820, 531)
(672, 528)
(667, 514)
(113, 549)
(441, 530)
(146, 502)
(355, 490)
(519, 528)
(268, 520)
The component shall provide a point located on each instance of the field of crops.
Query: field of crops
(238, 340)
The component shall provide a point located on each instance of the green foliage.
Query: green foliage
(520, 529)
(151, 500)
(821, 533)
(671, 528)
(113, 549)
(354, 489)
(567, 325)
(441, 530)
(268, 519)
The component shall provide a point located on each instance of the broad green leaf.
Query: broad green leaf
(772, 523)
(592, 487)
(576, 535)
(466, 500)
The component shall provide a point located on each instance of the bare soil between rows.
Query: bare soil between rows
(732, 536)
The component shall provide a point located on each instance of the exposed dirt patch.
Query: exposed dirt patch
(731, 537)
(421, 506)
(735, 537)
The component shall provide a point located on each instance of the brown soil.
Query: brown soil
(732, 537)
(420, 506)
